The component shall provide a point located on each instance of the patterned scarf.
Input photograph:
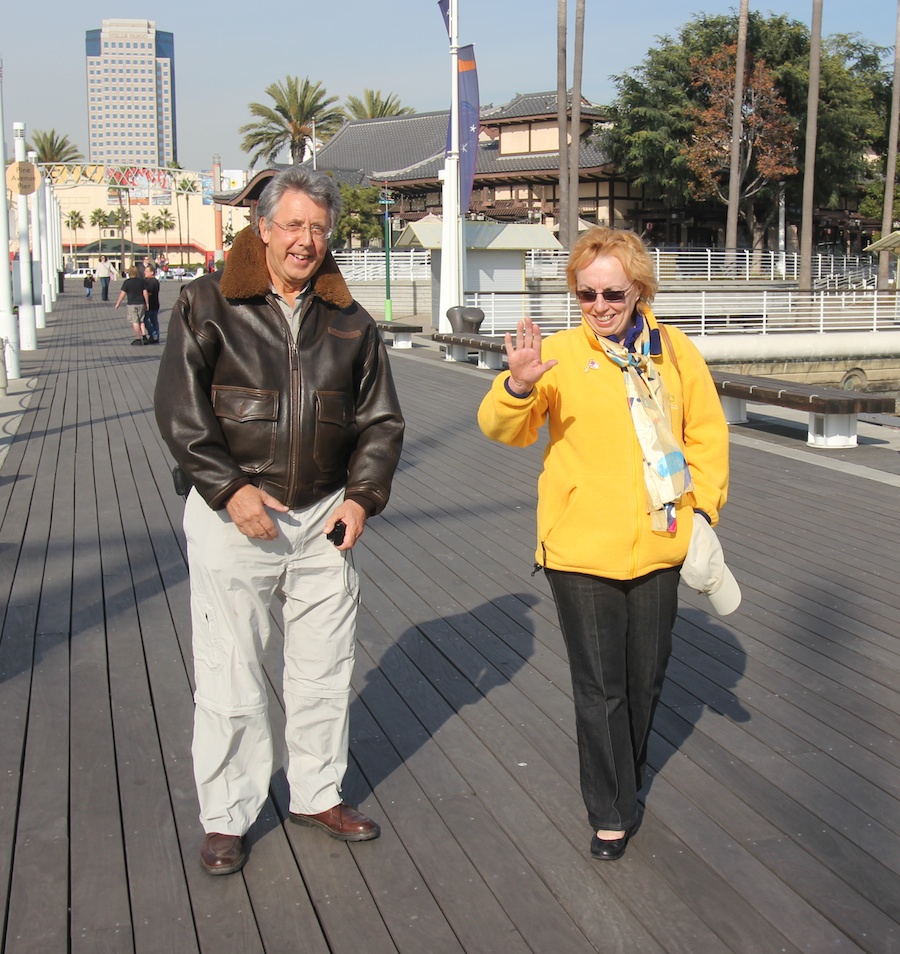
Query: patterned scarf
(666, 472)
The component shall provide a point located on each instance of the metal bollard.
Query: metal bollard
(3, 378)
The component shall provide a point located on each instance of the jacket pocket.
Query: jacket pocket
(335, 429)
(249, 420)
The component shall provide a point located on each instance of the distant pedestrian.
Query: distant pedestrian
(151, 319)
(105, 272)
(134, 289)
(89, 285)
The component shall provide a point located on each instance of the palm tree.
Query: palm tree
(804, 272)
(100, 219)
(74, 221)
(120, 219)
(289, 124)
(186, 187)
(146, 226)
(562, 114)
(890, 172)
(53, 148)
(373, 106)
(737, 126)
(575, 147)
(165, 222)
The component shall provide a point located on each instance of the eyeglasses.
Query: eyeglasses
(318, 233)
(588, 296)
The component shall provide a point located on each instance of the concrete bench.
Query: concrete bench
(401, 334)
(490, 351)
(832, 412)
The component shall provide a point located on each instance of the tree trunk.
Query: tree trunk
(890, 172)
(562, 113)
(737, 131)
(575, 147)
(809, 163)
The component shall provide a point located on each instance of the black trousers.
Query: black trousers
(618, 635)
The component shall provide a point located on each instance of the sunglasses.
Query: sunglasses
(588, 296)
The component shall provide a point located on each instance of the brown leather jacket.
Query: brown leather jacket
(238, 401)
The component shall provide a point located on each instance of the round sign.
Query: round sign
(22, 178)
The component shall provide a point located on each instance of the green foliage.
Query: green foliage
(652, 114)
(373, 106)
(74, 220)
(362, 219)
(51, 147)
(100, 218)
(289, 123)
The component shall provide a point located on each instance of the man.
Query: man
(151, 318)
(134, 293)
(276, 399)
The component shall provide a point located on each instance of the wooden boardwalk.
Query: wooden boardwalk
(772, 818)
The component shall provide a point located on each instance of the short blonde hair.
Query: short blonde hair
(132, 272)
(622, 244)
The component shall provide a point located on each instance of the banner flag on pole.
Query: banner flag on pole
(469, 120)
(445, 13)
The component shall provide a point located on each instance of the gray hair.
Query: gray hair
(321, 188)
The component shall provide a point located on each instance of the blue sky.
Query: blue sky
(223, 61)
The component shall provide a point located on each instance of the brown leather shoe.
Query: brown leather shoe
(342, 822)
(222, 854)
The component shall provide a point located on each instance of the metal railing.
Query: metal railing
(718, 265)
(367, 264)
(705, 312)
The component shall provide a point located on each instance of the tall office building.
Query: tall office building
(131, 94)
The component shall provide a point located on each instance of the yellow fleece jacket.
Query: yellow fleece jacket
(592, 512)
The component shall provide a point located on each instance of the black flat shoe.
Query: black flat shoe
(608, 850)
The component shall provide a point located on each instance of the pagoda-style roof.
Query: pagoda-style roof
(538, 106)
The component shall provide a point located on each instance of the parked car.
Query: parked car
(80, 272)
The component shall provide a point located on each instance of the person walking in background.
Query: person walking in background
(638, 450)
(104, 274)
(151, 319)
(89, 285)
(134, 293)
(276, 399)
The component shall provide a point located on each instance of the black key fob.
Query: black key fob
(337, 533)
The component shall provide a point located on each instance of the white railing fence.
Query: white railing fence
(367, 264)
(704, 312)
(720, 265)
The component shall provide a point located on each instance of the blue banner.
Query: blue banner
(469, 120)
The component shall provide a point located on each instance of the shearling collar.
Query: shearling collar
(246, 274)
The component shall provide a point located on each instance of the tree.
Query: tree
(562, 118)
(652, 116)
(120, 218)
(374, 106)
(766, 144)
(289, 124)
(74, 221)
(51, 147)
(186, 186)
(100, 219)
(146, 225)
(362, 216)
(165, 223)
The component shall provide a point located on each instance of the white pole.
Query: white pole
(9, 327)
(50, 232)
(37, 240)
(452, 250)
(27, 329)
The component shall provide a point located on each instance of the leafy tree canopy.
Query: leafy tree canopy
(659, 102)
(362, 218)
(288, 124)
(51, 147)
(373, 106)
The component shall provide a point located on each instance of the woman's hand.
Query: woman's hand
(525, 365)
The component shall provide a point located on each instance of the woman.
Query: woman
(638, 441)
(134, 293)
(104, 273)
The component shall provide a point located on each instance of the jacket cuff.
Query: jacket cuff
(369, 504)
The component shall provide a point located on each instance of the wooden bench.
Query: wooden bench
(832, 412)
(401, 334)
(490, 351)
